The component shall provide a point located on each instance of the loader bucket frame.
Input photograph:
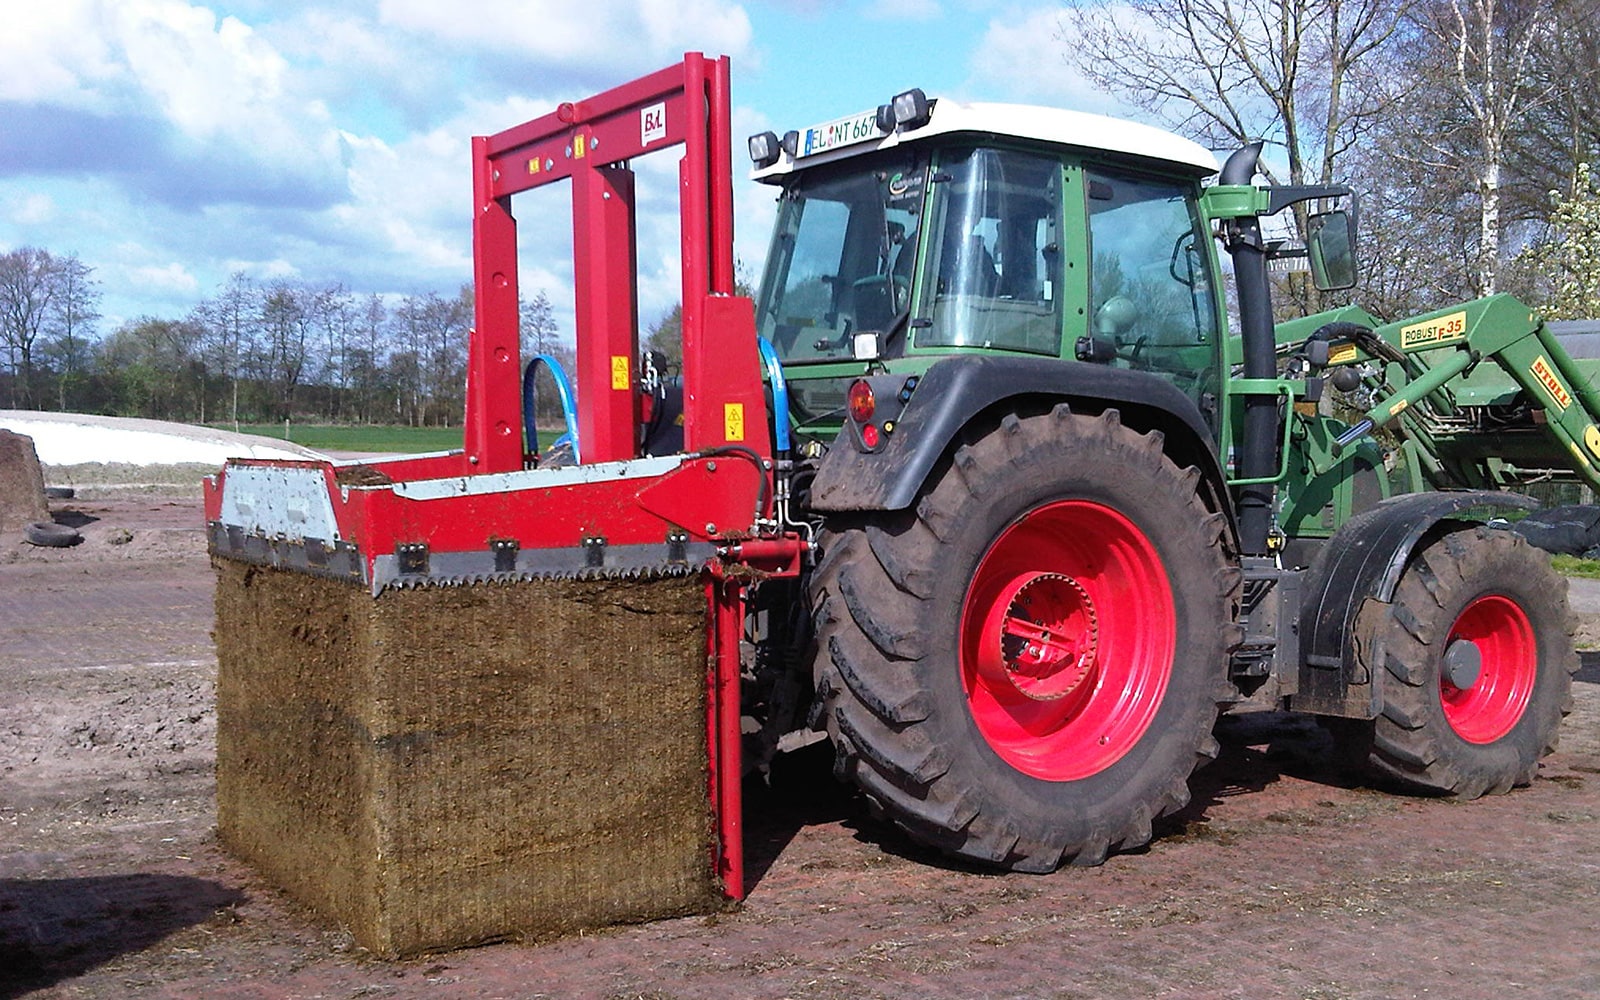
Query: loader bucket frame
(486, 513)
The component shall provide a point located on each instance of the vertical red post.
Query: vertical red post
(607, 312)
(721, 177)
(493, 432)
(726, 601)
(723, 403)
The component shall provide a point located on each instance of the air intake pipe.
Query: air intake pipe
(1258, 451)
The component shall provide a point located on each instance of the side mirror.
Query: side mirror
(1331, 245)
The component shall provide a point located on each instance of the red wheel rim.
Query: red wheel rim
(1067, 638)
(1490, 707)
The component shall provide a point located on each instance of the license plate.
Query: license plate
(840, 132)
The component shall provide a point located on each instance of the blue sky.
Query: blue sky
(170, 144)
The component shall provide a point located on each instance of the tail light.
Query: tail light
(862, 403)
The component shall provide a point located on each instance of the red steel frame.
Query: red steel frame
(591, 143)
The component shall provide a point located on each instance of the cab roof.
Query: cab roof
(1056, 126)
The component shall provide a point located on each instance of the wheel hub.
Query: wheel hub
(1041, 636)
(1463, 664)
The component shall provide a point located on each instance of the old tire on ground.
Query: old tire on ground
(1476, 660)
(51, 534)
(1026, 667)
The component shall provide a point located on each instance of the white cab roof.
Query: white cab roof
(1056, 126)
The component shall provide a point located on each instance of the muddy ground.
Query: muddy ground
(1282, 879)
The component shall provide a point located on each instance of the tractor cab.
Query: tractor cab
(930, 228)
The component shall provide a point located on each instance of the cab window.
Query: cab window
(994, 272)
(842, 256)
(1150, 289)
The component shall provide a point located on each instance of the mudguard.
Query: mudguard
(1364, 561)
(955, 390)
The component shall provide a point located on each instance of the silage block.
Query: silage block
(438, 767)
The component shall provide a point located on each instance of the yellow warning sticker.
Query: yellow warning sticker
(578, 146)
(533, 165)
(1591, 437)
(733, 421)
(1341, 354)
(1439, 330)
(1397, 408)
(619, 372)
(1547, 377)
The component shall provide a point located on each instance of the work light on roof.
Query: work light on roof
(911, 109)
(764, 149)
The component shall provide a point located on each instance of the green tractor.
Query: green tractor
(1064, 514)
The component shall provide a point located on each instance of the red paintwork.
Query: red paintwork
(714, 494)
(725, 598)
(1490, 708)
(607, 313)
(590, 142)
(771, 556)
(1093, 580)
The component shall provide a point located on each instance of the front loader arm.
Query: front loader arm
(1438, 350)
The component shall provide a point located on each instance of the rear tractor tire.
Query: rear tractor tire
(1025, 668)
(1476, 660)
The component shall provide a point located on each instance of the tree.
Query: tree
(230, 323)
(289, 313)
(1556, 135)
(540, 334)
(1227, 72)
(1568, 260)
(74, 310)
(1472, 63)
(665, 335)
(339, 323)
(437, 330)
(367, 357)
(152, 363)
(665, 338)
(29, 287)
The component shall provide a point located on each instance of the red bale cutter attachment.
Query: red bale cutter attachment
(489, 520)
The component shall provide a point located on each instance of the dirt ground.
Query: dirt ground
(1282, 879)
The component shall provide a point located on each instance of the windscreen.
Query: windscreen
(842, 256)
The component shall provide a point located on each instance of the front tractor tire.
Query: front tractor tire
(1025, 668)
(1476, 661)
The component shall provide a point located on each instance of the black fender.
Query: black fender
(955, 390)
(1364, 561)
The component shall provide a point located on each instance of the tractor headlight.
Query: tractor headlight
(764, 148)
(911, 109)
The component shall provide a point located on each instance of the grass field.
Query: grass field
(359, 437)
(1575, 566)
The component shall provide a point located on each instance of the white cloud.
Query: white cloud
(56, 52)
(172, 277)
(307, 140)
(207, 77)
(599, 33)
(31, 209)
(1022, 57)
(190, 106)
(262, 270)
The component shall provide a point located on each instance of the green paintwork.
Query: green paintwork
(1428, 397)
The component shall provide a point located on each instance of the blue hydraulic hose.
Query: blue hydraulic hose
(563, 389)
(780, 393)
